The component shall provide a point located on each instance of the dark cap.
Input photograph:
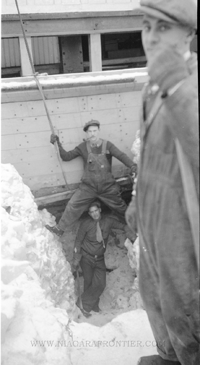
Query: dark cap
(96, 203)
(90, 123)
(182, 12)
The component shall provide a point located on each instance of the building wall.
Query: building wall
(59, 6)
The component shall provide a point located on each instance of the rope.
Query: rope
(41, 92)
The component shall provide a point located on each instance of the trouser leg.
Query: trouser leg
(78, 204)
(112, 198)
(149, 290)
(91, 295)
(169, 281)
(88, 272)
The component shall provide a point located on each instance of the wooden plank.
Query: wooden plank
(81, 14)
(95, 54)
(44, 200)
(99, 24)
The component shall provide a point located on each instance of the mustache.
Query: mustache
(88, 138)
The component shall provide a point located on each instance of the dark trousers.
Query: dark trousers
(168, 276)
(85, 195)
(94, 274)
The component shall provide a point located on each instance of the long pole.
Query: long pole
(41, 92)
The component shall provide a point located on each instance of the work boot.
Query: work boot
(156, 360)
(55, 229)
(85, 313)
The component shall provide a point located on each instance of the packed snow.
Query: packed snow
(40, 322)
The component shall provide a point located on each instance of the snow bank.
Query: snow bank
(24, 237)
(36, 279)
(122, 341)
(135, 149)
(38, 296)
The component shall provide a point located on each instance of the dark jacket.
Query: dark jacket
(86, 241)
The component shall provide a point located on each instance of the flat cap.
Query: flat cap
(91, 122)
(174, 11)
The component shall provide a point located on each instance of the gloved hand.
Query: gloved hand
(131, 217)
(134, 169)
(130, 234)
(54, 138)
(75, 264)
(167, 68)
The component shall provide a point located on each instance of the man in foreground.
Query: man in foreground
(168, 274)
(89, 249)
(97, 181)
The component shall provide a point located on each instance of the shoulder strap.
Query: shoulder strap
(88, 147)
(153, 112)
(104, 145)
(190, 196)
(155, 109)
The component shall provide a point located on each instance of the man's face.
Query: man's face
(95, 213)
(93, 133)
(159, 33)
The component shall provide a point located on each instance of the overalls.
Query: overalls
(97, 182)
